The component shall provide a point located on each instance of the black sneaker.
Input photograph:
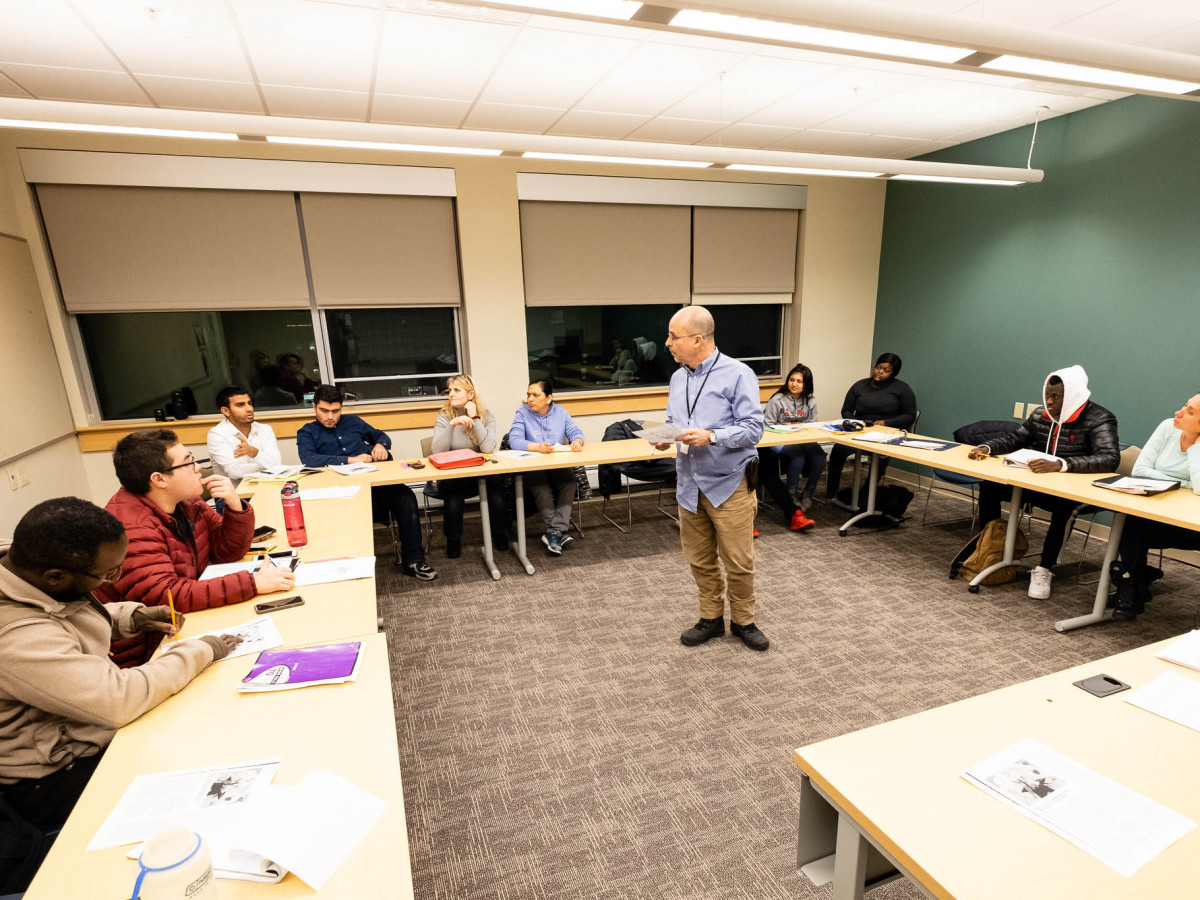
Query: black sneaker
(420, 571)
(703, 631)
(750, 635)
(567, 540)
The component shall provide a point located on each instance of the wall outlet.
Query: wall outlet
(14, 482)
(1030, 407)
(22, 476)
(1018, 410)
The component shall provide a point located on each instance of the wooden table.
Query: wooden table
(892, 793)
(349, 729)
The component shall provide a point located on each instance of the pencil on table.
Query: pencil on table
(171, 604)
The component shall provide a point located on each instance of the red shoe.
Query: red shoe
(801, 522)
(756, 532)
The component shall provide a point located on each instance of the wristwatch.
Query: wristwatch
(712, 438)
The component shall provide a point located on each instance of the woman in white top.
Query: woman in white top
(1173, 452)
(464, 423)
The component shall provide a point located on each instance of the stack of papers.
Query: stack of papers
(298, 667)
(1119, 827)
(354, 468)
(1143, 486)
(1022, 458)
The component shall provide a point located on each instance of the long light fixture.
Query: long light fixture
(1043, 68)
(794, 170)
(722, 23)
(118, 129)
(603, 9)
(380, 145)
(631, 160)
(946, 179)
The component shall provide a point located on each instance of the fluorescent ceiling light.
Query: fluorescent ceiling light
(604, 9)
(633, 160)
(792, 170)
(1087, 74)
(118, 129)
(820, 37)
(381, 145)
(949, 180)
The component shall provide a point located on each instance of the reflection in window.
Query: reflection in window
(383, 354)
(604, 347)
(139, 359)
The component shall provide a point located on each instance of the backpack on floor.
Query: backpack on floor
(891, 502)
(986, 549)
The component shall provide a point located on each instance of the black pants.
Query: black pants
(768, 477)
(401, 502)
(837, 459)
(1140, 535)
(991, 495)
(455, 492)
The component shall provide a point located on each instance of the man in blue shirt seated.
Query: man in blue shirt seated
(334, 440)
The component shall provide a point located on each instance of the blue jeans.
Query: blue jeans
(802, 459)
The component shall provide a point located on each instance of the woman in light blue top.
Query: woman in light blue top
(794, 404)
(1173, 452)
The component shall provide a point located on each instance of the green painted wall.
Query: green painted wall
(984, 290)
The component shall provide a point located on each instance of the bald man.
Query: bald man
(715, 400)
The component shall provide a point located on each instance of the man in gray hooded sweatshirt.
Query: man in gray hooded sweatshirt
(1079, 434)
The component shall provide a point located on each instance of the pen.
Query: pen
(171, 604)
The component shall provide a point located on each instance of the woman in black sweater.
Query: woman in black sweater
(882, 399)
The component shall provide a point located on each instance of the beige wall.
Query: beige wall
(831, 324)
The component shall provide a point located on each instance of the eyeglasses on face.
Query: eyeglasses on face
(680, 337)
(112, 576)
(190, 461)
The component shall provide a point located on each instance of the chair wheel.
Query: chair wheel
(841, 533)
(973, 588)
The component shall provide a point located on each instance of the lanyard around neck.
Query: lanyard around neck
(691, 404)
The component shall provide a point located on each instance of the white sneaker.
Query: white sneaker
(1039, 583)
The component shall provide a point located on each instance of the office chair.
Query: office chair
(613, 476)
(1129, 457)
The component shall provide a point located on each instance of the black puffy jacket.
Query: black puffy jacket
(1087, 444)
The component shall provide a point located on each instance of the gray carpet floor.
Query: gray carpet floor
(557, 741)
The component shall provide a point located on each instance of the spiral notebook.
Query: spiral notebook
(297, 667)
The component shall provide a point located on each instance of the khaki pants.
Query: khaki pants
(725, 532)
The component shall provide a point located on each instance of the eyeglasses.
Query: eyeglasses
(112, 576)
(680, 337)
(190, 461)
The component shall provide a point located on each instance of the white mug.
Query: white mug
(175, 865)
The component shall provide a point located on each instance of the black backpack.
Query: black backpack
(891, 502)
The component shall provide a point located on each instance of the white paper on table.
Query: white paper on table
(1120, 827)
(667, 433)
(330, 493)
(514, 454)
(281, 471)
(258, 634)
(1172, 696)
(560, 448)
(202, 799)
(311, 828)
(876, 437)
(922, 445)
(335, 570)
(220, 570)
(834, 424)
(1129, 483)
(354, 468)
(1183, 652)
(1025, 457)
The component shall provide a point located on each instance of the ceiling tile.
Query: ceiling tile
(675, 131)
(434, 111)
(1130, 21)
(314, 45)
(48, 33)
(1183, 40)
(506, 117)
(1041, 15)
(427, 56)
(597, 125)
(751, 136)
(196, 93)
(306, 103)
(749, 86)
(51, 83)
(654, 77)
(914, 150)
(9, 88)
(546, 68)
(186, 38)
(845, 90)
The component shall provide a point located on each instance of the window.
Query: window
(385, 353)
(271, 352)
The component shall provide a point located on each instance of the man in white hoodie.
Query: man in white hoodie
(1081, 436)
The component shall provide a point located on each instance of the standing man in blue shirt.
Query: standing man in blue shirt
(334, 440)
(715, 400)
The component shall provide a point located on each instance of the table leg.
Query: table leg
(1100, 611)
(849, 862)
(871, 488)
(520, 483)
(1010, 541)
(489, 558)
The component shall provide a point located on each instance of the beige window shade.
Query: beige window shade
(594, 254)
(744, 251)
(370, 250)
(136, 248)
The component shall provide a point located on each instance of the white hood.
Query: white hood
(1075, 395)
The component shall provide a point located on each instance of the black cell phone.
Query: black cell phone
(1101, 685)
(276, 605)
(262, 531)
(416, 464)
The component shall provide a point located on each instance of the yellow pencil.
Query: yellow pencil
(171, 603)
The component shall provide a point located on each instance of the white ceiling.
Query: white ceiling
(419, 62)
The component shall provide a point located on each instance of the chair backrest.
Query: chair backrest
(916, 419)
(1129, 457)
(426, 446)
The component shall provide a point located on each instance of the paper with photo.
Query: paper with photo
(257, 635)
(1120, 827)
(666, 433)
(202, 799)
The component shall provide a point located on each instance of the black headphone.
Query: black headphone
(849, 425)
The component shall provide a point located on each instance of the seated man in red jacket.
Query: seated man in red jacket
(174, 535)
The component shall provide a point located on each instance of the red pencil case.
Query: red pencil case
(456, 459)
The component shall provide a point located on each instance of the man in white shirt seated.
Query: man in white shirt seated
(239, 446)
